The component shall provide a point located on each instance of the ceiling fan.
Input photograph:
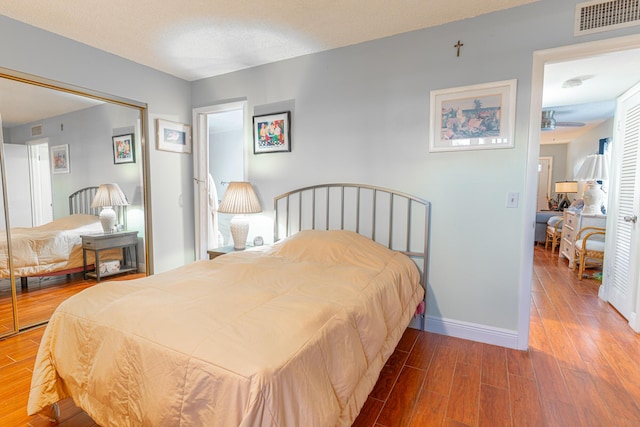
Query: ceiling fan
(549, 122)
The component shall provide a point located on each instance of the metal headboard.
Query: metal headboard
(80, 203)
(397, 220)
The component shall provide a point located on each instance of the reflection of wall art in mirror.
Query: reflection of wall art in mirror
(60, 159)
(123, 149)
(477, 117)
(173, 136)
(271, 133)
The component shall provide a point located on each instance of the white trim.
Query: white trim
(473, 331)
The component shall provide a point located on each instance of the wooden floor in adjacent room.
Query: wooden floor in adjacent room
(581, 369)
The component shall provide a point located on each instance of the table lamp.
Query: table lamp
(108, 196)
(595, 168)
(565, 187)
(239, 199)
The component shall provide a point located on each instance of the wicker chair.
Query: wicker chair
(554, 233)
(589, 247)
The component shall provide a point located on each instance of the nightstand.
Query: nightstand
(213, 253)
(103, 241)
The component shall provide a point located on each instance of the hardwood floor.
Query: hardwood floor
(37, 304)
(581, 369)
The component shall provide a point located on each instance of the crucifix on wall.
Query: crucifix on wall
(458, 46)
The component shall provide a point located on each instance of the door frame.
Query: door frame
(201, 166)
(540, 58)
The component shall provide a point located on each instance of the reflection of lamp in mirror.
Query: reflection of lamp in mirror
(565, 187)
(595, 168)
(108, 196)
(239, 199)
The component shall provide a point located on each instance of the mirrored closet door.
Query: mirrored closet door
(7, 295)
(60, 144)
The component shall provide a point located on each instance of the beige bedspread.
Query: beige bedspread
(291, 335)
(50, 247)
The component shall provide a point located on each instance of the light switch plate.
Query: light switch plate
(512, 199)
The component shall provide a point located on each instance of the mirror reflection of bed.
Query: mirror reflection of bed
(38, 193)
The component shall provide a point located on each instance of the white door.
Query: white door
(41, 193)
(620, 279)
(544, 182)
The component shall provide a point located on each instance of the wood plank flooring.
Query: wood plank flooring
(581, 369)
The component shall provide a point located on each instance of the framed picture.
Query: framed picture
(60, 159)
(478, 117)
(271, 133)
(123, 149)
(173, 136)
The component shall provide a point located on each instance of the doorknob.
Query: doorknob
(631, 218)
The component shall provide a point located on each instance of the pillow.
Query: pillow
(553, 221)
(331, 247)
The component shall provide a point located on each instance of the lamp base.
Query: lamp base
(239, 230)
(107, 219)
(592, 199)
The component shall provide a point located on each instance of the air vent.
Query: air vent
(597, 16)
(36, 130)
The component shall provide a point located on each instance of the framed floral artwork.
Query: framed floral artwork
(123, 149)
(60, 159)
(477, 117)
(271, 133)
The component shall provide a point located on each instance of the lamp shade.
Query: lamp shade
(566, 187)
(240, 199)
(109, 195)
(594, 168)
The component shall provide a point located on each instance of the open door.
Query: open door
(621, 279)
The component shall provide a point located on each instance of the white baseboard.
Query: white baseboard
(473, 331)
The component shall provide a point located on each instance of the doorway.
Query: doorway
(220, 132)
(592, 50)
(40, 174)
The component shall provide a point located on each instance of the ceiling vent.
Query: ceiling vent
(597, 16)
(36, 130)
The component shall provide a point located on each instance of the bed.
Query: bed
(295, 333)
(54, 248)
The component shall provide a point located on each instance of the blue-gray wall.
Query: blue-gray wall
(88, 134)
(361, 114)
(47, 55)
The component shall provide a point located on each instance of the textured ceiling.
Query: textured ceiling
(194, 39)
(197, 39)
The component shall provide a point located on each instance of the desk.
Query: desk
(573, 222)
(103, 241)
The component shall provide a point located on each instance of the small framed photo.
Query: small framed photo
(123, 149)
(478, 117)
(60, 159)
(271, 133)
(173, 136)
